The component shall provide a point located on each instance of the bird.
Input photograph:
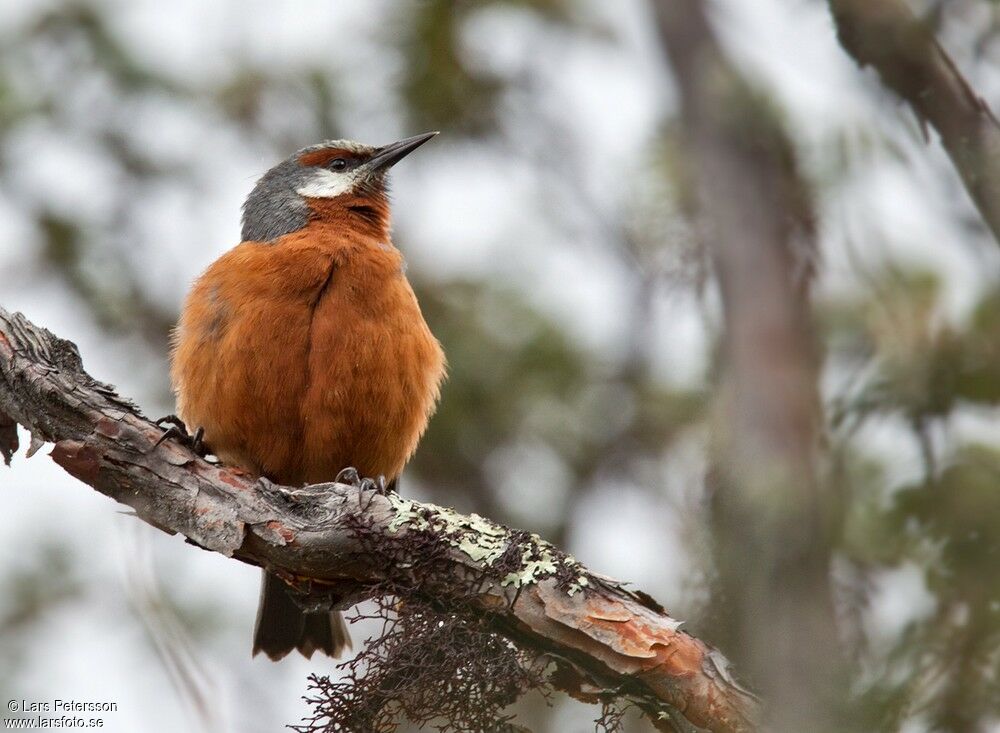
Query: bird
(303, 351)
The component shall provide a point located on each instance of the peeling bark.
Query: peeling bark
(607, 642)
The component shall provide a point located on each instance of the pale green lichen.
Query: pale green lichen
(579, 584)
(485, 542)
(407, 514)
(480, 539)
(537, 562)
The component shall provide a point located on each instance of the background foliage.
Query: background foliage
(548, 237)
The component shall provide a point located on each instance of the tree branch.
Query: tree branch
(886, 35)
(607, 642)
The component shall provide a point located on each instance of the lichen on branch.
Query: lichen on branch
(500, 591)
(520, 558)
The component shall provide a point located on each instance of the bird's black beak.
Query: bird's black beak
(388, 155)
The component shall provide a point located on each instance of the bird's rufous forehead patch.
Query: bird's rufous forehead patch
(322, 156)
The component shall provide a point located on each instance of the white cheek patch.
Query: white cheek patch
(324, 184)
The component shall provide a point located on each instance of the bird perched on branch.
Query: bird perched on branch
(303, 351)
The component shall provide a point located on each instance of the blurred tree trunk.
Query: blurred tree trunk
(772, 603)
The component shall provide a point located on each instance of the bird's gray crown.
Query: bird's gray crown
(277, 204)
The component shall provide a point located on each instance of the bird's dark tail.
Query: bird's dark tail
(282, 626)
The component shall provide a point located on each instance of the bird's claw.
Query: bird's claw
(179, 432)
(351, 477)
(171, 420)
(348, 476)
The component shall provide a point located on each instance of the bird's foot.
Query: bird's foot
(171, 419)
(179, 432)
(351, 477)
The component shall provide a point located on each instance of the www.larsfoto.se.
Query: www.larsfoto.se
(39, 722)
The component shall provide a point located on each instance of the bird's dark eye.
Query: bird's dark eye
(338, 164)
